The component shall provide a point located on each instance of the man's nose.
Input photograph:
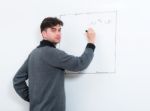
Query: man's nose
(58, 33)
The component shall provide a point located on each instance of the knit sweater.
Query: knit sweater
(44, 68)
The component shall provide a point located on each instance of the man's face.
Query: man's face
(52, 34)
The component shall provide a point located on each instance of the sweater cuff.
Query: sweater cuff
(91, 45)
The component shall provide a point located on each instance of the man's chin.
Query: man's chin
(57, 42)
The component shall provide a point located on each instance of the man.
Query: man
(45, 67)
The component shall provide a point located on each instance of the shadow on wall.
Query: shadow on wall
(72, 76)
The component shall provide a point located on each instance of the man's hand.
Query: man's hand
(91, 36)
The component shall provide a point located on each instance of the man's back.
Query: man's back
(44, 68)
(46, 83)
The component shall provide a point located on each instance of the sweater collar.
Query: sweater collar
(46, 43)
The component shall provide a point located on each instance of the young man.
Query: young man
(45, 67)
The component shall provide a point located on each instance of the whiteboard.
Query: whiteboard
(74, 39)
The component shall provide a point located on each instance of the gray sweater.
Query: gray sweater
(45, 67)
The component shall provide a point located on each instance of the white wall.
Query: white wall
(126, 90)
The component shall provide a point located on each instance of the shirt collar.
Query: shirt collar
(46, 43)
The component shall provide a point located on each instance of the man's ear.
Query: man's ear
(43, 33)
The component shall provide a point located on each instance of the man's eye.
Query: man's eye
(53, 30)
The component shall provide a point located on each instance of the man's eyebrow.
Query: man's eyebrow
(53, 28)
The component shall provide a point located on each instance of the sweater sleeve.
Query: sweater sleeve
(61, 59)
(19, 82)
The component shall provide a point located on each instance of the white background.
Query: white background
(126, 90)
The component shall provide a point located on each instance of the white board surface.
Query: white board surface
(74, 39)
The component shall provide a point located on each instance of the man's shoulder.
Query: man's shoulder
(47, 50)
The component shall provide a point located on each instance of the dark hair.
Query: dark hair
(49, 22)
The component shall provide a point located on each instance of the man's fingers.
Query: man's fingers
(89, 30)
